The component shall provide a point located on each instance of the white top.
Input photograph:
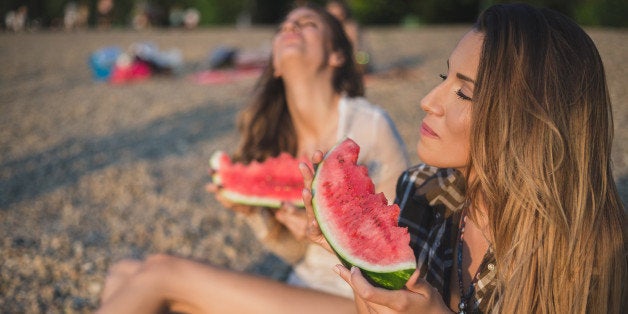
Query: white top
(382, 151)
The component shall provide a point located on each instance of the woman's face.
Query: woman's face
(302, 40)
(444, 140)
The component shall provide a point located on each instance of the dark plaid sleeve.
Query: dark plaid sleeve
(428, 197)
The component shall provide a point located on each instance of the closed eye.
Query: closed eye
(462, 96)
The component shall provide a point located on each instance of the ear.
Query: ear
(336, 59)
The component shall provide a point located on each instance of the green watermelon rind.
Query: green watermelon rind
(256, 200)
(271, 202)
(391, 277)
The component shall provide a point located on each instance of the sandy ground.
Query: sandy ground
(91, 173)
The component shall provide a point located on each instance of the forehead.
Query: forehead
(302, 13)
(465, 58)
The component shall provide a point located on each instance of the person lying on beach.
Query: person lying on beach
(518, 140)
(308, 99)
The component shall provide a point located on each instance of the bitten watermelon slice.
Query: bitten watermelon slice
(267, 183)
(359, 225)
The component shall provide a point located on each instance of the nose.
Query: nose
(290, 26)
(431, 102)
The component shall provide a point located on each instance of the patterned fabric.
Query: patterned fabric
(431, 202)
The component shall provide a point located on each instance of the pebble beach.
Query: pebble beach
(92, 172)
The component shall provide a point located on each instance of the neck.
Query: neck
(478, 212)
(313, 106)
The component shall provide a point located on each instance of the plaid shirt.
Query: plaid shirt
(431, 202)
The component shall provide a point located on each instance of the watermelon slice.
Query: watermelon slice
(267, 183)
(359, 225)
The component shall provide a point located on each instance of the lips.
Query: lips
(289, 36)
(427, 131)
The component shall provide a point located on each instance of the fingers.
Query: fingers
(294, 219)
(212, 188)
(377, 298)
(420, 285)
(362, 287)
(313, 229)
(343, 272)
(307, 174)
(317, 157)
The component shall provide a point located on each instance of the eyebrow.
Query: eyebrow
(308, 15)
(465, 78)
(462, 76)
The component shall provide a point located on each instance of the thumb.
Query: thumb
(419, 285)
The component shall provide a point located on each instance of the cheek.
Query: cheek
(460, 127)
(460, 130)
(451, 150)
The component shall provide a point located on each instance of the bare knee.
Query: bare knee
(161, 263)
(125, 266)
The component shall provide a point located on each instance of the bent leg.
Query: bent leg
(118, 276)
(189, 286)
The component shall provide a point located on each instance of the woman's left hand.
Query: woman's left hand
(418, 297)
(294, 219)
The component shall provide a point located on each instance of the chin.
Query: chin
(439, 159)
(426, 157)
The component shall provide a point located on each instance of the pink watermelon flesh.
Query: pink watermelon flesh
(358, 224)
(267, 183)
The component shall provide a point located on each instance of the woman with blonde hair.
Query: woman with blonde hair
(517, 211)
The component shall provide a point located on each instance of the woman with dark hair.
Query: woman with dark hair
(523, 215)
(307, 99)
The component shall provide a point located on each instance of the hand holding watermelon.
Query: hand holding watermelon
(358, 224)
(419, 296)
(294, 219)
(313, 231)
(225, 202)
(270, 183)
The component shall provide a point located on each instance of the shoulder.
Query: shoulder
(360, 107)
(360, 103)
(439, 187)
(414, 177)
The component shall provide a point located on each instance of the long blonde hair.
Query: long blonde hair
(541, 141)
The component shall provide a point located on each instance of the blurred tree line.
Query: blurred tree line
(50, 13)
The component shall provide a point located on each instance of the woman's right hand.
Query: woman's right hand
(213, 188)
(313, 231)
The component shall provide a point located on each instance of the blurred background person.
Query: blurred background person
(341, 10)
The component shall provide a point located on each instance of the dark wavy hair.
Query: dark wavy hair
(265, 126)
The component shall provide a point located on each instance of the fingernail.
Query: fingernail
(354, 269)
